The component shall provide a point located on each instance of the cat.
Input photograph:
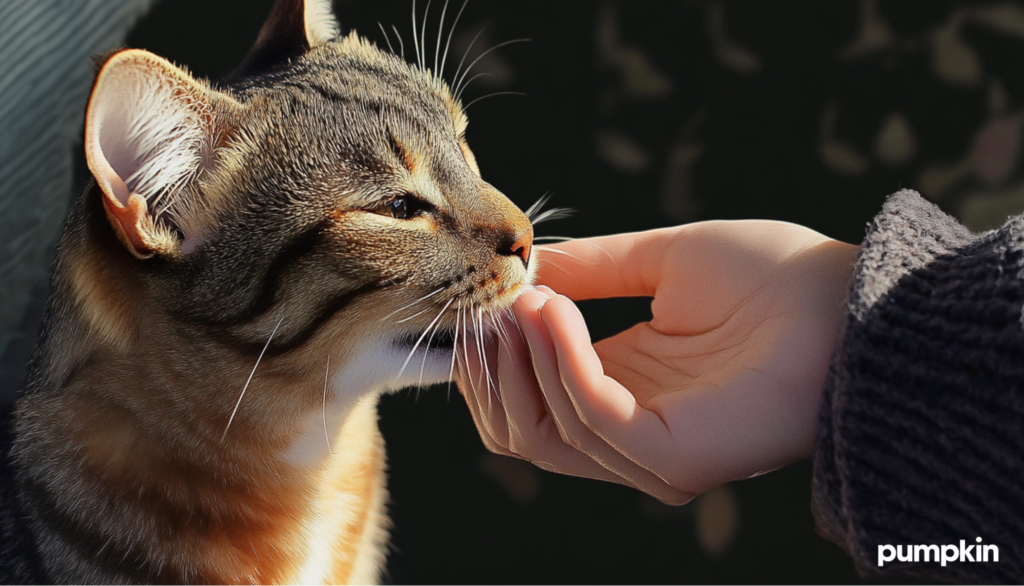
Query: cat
(253, 264)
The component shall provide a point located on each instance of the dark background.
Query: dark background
(647, 114)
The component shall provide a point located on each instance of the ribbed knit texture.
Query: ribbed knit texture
(922, 428)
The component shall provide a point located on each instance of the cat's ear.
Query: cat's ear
(149, 129)
(294, 27)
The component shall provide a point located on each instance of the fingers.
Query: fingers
(527, 431)
(532, 434)
(579, 433)
(600, 402)
(621, 265)
(481, 399)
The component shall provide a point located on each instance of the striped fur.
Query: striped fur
(236, 286)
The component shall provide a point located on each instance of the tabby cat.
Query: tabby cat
(254, 264)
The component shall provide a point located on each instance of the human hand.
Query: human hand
(723, 383)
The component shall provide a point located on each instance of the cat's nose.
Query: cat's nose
(520, 245)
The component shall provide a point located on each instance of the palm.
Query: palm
(723, 382)
(716, 320)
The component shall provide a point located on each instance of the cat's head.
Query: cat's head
(325, 190)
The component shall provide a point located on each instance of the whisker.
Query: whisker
(505, 339)
(386, 38)
(401, 44)
(448, 43)
(606, 253)
(440, 33)
(426, 349)
(428, 295)
(423, 335)
(481, 348)
(554, 238)
(491, 96)
(484, 54)
(537, 205)
(417, 314)
(558, 266)
(327, 376)
(463, 88)
(463, 60)
(423, 35)
(455, 346)
(415, 39)
(556, 251)
(552, 214)
(476, 339)
(465, 348)
(262, 352)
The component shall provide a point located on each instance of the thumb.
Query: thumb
(620, 265)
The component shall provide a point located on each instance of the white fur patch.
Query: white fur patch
(374, 371)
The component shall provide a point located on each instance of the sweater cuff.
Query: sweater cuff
(921, 433)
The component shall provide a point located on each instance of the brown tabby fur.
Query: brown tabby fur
(273, 248)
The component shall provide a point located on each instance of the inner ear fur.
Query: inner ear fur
(293, 28)
(149, 129)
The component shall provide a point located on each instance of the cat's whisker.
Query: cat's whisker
(386, 38)
(476, 340)
(243, 393)
(465, 346)
(558, 266)
(423, 35)
(423, 335)
(463, 60)
(483, 353)
(327, 435)
(606, 253)
(552, 214)
(407, 306)
(415, 38)
(481, 56)
(533, 213)
(455, 346)
(417, 314)
(451, 31)
(492, 95)
(556, 251)
(401, 43)
(440, 33)
(504, 331)
(537, 205)
(481, 74)
(426, 349)
(553, 238)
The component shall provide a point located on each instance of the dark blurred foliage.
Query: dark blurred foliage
(648, 114)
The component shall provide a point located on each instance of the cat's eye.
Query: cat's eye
(405, 206)
(398, 208)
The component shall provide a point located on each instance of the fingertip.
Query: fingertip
(561, 315)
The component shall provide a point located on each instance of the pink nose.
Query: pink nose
(523, 245)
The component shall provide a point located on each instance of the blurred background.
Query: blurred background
(637, 115)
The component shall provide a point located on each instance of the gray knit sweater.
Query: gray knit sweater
(921, 437)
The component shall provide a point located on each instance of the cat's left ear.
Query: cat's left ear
(150, 130)
(293, 29)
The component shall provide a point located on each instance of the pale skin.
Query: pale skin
(723, 383)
